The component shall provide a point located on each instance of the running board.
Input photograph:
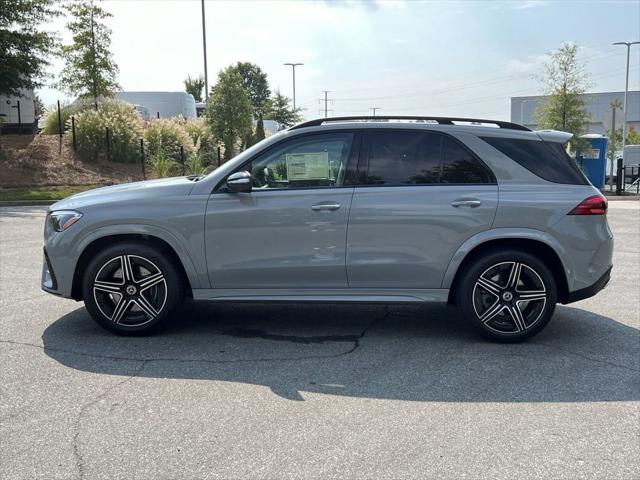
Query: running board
(359, 295)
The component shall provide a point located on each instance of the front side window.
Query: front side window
(307, 162)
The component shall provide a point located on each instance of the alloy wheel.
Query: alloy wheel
(509, 297)
(130, 290)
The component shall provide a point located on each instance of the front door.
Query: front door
(421, 195)
(290, 230)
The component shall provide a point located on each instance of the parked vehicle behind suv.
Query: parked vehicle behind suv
(484, 214)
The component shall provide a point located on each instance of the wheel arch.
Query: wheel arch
(96, 244)
(550, 255)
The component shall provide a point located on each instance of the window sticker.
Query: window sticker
(307, 166)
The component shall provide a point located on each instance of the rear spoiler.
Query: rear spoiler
(555, 136)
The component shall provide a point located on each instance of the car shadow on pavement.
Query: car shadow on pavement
(415, 353)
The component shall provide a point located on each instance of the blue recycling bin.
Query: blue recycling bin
(593, 159)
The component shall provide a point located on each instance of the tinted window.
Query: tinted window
(403, 158)
(310, 161)
(546, 160)
(460, 166)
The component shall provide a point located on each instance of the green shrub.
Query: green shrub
(162, 164)
(196, 166)
(51, 118)
(202, 139)
(125, 131)
(168, 135)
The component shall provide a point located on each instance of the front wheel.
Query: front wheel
(507, 296)
(131, 289)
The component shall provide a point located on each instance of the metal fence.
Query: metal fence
(627, 179)
(212, 157)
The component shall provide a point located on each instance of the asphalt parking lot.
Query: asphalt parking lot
(315, 391)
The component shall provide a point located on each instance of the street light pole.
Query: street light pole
(293, 68)
(626, 91)
(373, 109)
(204, 46)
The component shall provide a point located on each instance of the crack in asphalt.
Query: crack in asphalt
(355, 339)
(586, 357)
(79, 459)
(80, 463)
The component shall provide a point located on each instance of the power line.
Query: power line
(464, 86)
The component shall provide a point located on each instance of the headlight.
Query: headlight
(63, 219)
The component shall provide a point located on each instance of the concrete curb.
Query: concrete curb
(27, 203)
(615, 198)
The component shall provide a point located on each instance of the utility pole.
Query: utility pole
(626, 90)
(204, 47)
(293, 68)
(373, 109)
(326, 101)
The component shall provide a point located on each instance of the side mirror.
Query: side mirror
(239, 182)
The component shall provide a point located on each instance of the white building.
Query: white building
(598, 104)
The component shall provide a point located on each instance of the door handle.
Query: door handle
(466, 203)
(325, 206)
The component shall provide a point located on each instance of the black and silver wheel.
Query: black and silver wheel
(131, 289)
(507, 296)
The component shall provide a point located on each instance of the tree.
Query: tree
(566, 81)
(229, 110)
(254, 80)
(282, 112)
(89, 70)
(194, 86)
(633, 137)
(24, 50)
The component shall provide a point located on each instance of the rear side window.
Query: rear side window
(404, 158)
(460, 166)
(546, 160)
(419, 158)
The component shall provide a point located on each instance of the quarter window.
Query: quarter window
(311, 161)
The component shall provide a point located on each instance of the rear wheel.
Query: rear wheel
(507, 296)
(131, 289)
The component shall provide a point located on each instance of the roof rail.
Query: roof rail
(440, 120)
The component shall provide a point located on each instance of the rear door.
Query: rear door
(419, 196)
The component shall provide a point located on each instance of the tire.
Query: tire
(132, 289)
(507, 296)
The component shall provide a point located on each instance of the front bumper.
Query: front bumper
(591, 290)
(48, 282)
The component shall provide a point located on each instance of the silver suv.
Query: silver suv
(484, 214)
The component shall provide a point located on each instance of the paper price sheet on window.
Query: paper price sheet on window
(307, 166)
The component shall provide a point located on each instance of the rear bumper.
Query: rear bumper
(591, 290)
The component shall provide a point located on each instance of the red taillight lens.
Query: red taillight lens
(596, 205)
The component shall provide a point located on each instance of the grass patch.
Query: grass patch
(42, 193)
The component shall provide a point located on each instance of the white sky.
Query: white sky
(405, 57)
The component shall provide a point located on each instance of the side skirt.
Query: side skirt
(359, 295)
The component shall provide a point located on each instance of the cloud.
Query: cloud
(371, 5)
(527, 4)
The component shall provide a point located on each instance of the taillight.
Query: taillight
(596, 205)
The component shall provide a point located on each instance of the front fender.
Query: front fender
(505, 234)
(197, 279)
